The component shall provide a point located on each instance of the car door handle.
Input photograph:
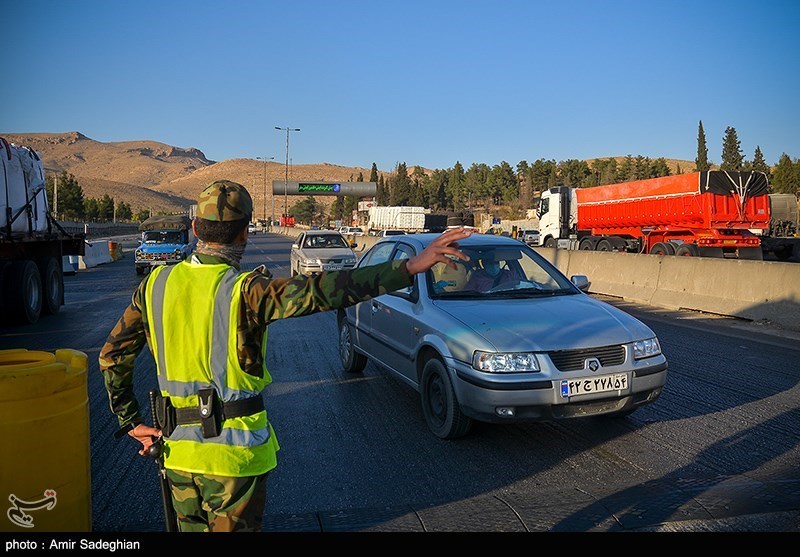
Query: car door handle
(376, 306)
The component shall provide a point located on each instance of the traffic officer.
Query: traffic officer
(206, 323)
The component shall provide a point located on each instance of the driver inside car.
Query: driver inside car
(489, 274)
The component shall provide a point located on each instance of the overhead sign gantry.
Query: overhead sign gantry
(357, 189)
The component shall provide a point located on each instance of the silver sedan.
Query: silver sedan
(315, 251)
(504, 337)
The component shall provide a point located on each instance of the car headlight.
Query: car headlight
(178, 252)
(499, 362)
(646, 348)
(313, 262)
(139, 253)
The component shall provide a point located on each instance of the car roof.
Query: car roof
(321, 232)
(422, 239)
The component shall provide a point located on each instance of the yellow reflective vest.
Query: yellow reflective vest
(192, 310)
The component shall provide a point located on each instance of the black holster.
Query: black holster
(165, 414)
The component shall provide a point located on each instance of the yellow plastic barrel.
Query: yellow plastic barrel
(45, 469)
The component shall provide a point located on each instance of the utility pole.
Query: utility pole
(286, 179)
(55, 196)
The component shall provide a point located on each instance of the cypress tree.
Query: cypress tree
(701, 162)
(732, 158)
(759, 164)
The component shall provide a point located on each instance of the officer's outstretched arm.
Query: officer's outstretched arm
(439, 250)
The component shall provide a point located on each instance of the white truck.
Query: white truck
(409, 219)
(781, 238)
(32, 243)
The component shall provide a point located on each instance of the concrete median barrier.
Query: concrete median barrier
(96, 253)
(754, 290)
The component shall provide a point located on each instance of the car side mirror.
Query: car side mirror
(581, 281)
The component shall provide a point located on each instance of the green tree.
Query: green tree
(381, 193)
(435, 186)
(142, 215)
(478, 184)
(759, 164)
(400, 191)
(625, 171)
(605, 171)
(124, 212)
(417, 191)
(105, 208)
(70, 196)
(349, 205)
(732, 158)
(659, 168)
(504, 182)
(337, 208)
(786, 175)
(308, 211)
(678, 170)
(543, 175)
(702, 164)
(574, 173)
(456, 187)
(373, 173)
(91, 211)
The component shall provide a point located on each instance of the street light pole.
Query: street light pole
(265, 159)
(286, 178)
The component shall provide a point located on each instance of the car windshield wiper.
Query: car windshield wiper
(459, 295)
(529, 293)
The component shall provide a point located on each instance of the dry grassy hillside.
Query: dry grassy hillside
(160, 177)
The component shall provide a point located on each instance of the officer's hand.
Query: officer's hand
(144, 434)
(438, 251)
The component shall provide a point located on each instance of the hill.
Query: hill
(160, 177)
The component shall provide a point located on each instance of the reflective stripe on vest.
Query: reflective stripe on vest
(246, 446)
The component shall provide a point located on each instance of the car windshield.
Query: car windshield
(498, 271)
(163, 237)
(316, 241)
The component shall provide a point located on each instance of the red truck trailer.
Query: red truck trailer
(709, 214)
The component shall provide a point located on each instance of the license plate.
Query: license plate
(332, 267)
(598, 384)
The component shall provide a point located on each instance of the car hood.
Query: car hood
(327, 253)
(160, 248)
(545, 324)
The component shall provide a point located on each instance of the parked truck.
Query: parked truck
(165, 240)
(781, 238)
(32, 244)
(708, 214)
(409, 219)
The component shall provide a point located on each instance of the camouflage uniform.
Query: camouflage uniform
(203, 501)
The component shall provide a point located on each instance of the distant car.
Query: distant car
(353, 231)
(530, 237)
(315, 251)
(391, 233)
(526, 345)
(252, 228)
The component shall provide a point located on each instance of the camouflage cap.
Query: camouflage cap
(224, 200)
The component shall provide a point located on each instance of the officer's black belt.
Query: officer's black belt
(232, 409)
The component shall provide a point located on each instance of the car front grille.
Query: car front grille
(572, 360)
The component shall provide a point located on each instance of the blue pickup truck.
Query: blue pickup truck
(166, 240)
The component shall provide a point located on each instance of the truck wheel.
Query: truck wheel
(687, 250)
(662, 248)
(586, 245)
(439, 403)
(52, 285)
(550, 243)
(783, 253)
(22, 286)
(139, 270)
(604, 245)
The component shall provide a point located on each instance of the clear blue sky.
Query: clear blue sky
(421, 82)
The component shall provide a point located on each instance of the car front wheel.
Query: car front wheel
(352, 361)
(439, 404)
